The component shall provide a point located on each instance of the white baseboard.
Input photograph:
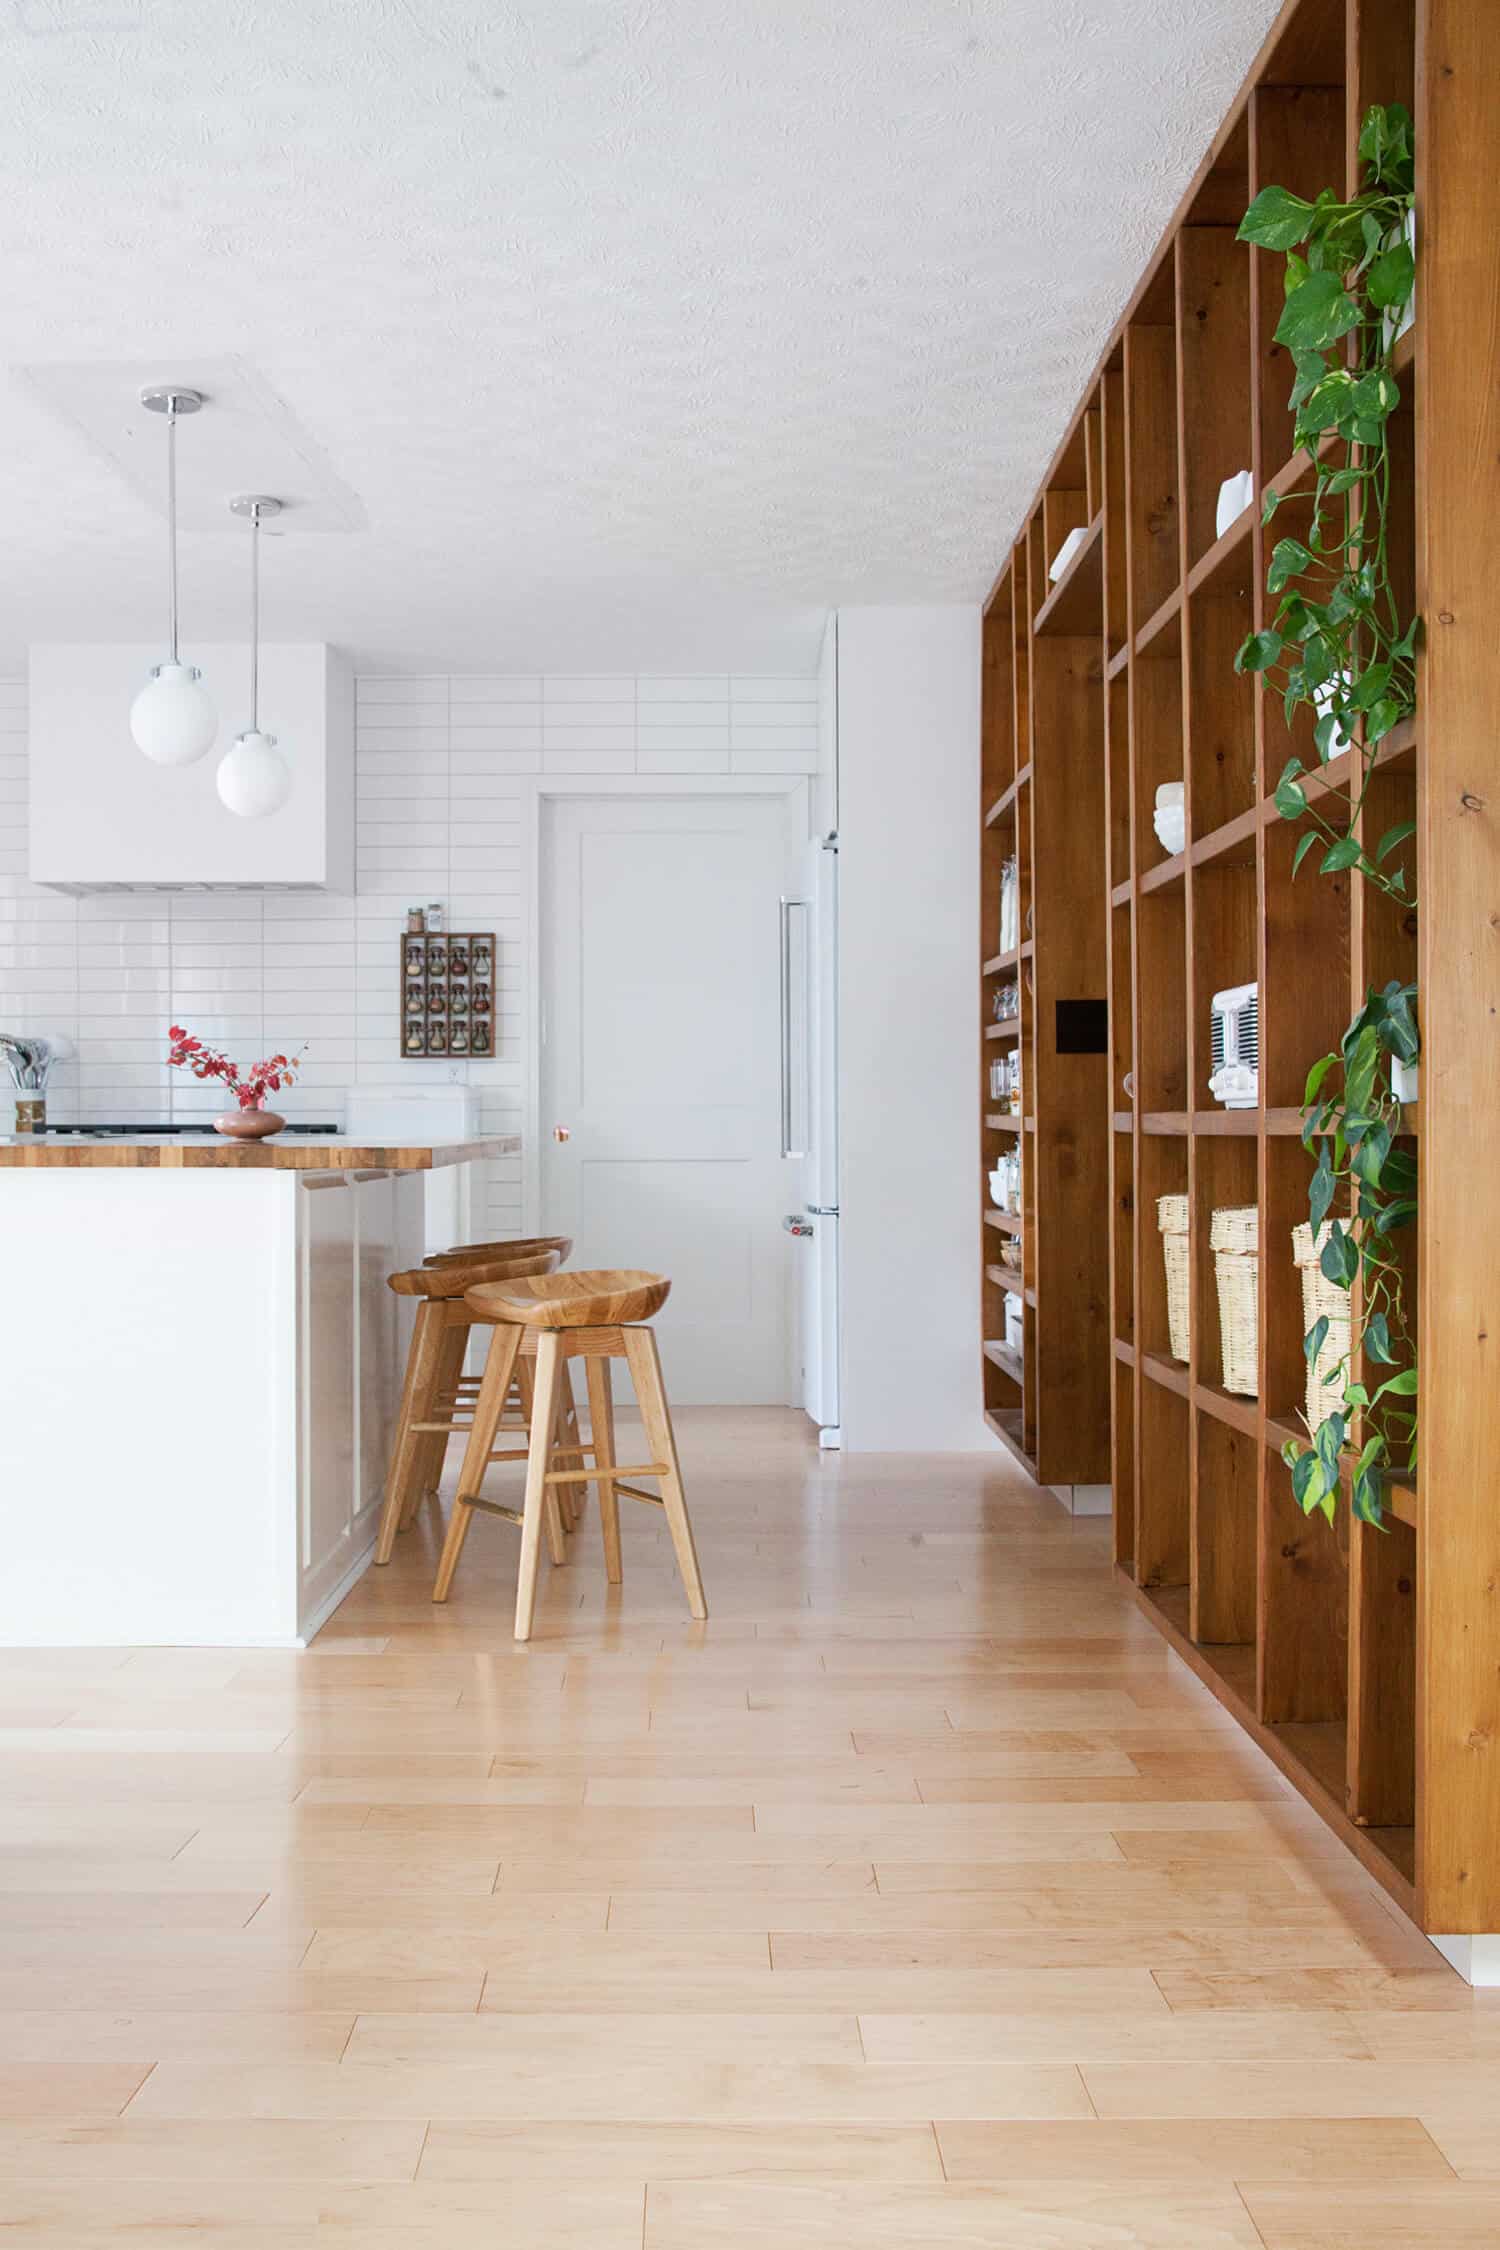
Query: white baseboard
(1477, 1958)
(1083, 1499)
(318, 1617)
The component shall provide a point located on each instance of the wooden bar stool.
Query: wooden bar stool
(434, 1392)
(595, 1316)
(468, 1385)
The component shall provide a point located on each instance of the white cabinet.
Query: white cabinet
(104, 817)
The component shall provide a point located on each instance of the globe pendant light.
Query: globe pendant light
(253, 778)
(172, 720)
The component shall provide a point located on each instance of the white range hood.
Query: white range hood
(102, 817)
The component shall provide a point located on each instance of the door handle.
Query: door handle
(562, 1132)
(788, 906)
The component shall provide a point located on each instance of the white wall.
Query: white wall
(445, 770)
(908, 765)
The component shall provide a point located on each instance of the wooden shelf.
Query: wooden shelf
(1008, 1027)
(1004, 806)
(1361, 1660)
(1042, 799)
(1004, 1278)
(1001, 1355)
(1075, 604)
(1161, 635)
(1007, 1424)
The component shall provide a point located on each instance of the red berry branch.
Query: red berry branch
(249, 1089)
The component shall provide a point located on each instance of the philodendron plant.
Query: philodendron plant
(1338, 641)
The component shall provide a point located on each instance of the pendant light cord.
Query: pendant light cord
(172, 521)
(255, 618)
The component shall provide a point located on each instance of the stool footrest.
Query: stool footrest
(587, 1476)
(490, 1507)
(634, 1492)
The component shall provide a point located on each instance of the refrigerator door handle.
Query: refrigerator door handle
(788, 907)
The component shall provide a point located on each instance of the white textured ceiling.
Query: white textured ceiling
(643, 330)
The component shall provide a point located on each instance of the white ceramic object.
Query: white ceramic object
(1404, 1079)
(1065, 554)
(1169, 817)
(1235, 495)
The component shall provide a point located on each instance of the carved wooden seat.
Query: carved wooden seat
(590, 1297)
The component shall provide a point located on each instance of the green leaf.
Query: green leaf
(1376, 395)
(1276, 220)
(1315, 1339)
(1398, 1025)
(1370, 1156)
(1395, 836)
(1308, 1482)
(1288, 557)
(1380, 719)
(1316, 314)
(1269, 506)
(1315, 1078)
(1344, 853)
(1377, 1339)
(1339, 1262)
(1333, 396)
(1309, 367)
(1259, 650)
(1389, 280)
(1403, 1385)
(1321, 1189)
(1290, 797)
(1365, 1495)
(1370, 686)
(1344, 480)
(1323, 735)
(1304, 846)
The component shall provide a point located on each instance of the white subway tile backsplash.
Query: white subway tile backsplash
(444, 778)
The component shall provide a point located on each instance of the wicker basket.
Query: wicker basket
(1234, 1238)
(1172, 1218)
(1325, 1383)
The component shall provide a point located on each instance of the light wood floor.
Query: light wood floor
(920, 1898)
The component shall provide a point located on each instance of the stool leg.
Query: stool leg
(570, 1497)
(557, 1520)
(416, 1396)
(504, 1345)
(434, 1443)
(602, 1430)
(645, 1371)
(538, 1491)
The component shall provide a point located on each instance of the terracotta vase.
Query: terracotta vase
(249, 1124)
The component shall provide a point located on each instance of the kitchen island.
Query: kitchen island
(200, 1366)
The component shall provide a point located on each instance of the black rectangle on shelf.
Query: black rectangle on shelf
(1082, 1027)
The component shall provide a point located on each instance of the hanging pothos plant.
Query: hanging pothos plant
(1353, 1133)
(1338, 640)
(1339, 643)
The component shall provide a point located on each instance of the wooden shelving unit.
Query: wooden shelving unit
(1042, 800)
(1366, 1663)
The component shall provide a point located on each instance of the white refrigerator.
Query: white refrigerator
(810, 1124)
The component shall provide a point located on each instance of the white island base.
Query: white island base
(201, 1370)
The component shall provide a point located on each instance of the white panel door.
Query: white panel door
(661, 1064)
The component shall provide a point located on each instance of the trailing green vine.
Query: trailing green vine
(1353, 1132)
(1338, 640)
(1339, 643)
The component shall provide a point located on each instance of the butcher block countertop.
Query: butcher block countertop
(205, 1152)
